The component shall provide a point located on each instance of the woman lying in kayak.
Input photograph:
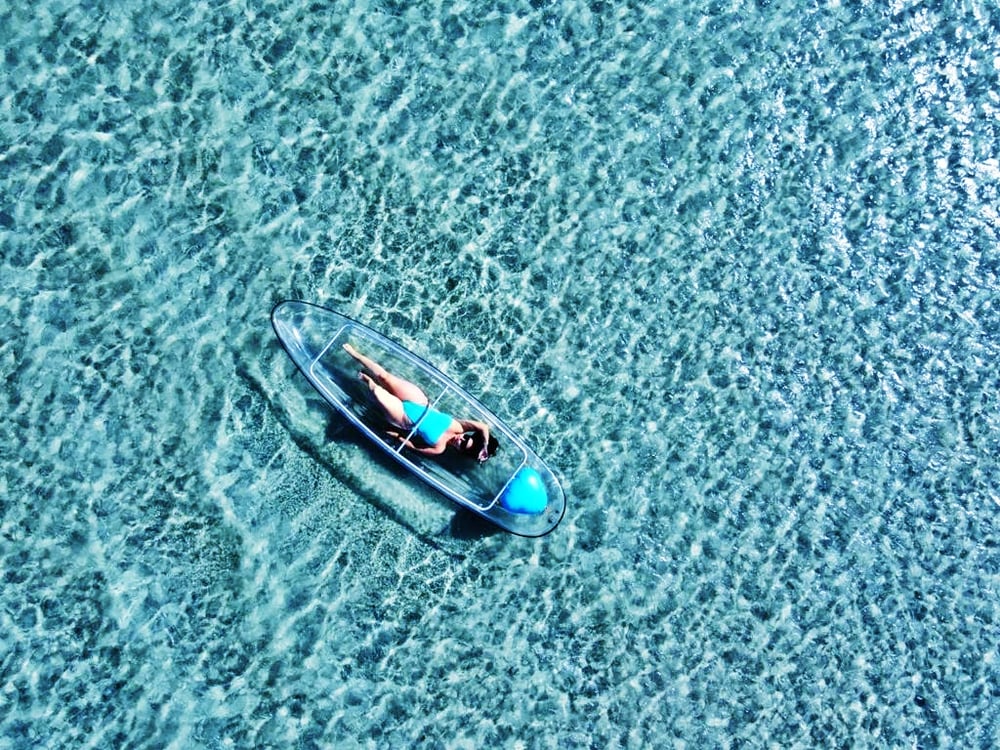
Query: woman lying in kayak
(405, 405)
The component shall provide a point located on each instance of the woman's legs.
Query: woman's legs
(391, 406)
(402, 389)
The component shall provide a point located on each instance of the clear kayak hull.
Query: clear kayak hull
(514, 489)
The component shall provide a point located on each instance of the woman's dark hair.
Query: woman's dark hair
(477, 444)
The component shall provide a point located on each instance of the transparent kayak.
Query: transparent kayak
(514, 489)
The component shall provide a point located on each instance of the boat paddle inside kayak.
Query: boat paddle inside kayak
(514, 489)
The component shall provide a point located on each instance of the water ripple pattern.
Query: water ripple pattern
(731, 267)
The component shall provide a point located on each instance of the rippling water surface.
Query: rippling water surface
(732, 267)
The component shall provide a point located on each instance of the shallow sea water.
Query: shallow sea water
(732, 267)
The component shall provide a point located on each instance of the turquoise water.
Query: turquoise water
(731, 267)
